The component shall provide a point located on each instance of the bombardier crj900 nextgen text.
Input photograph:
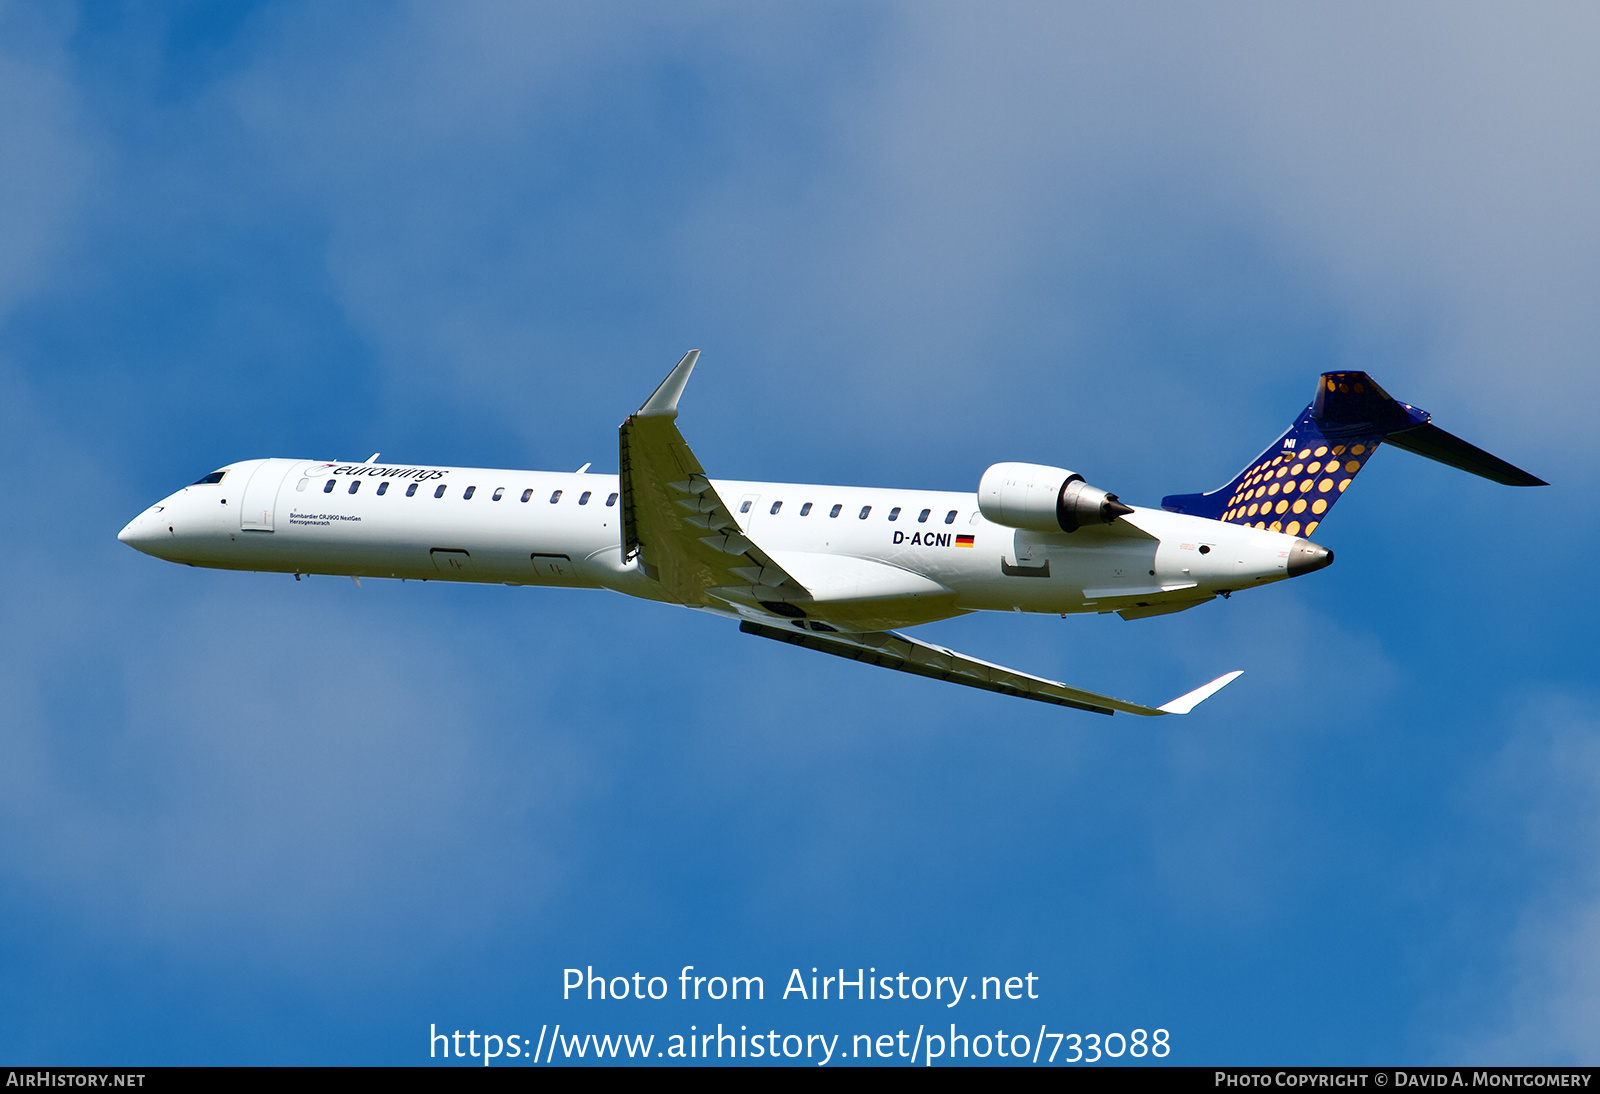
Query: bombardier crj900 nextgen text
(832, 568)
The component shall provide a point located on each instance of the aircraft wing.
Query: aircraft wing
(892, 650)
(683, 534)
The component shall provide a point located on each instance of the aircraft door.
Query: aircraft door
(260, 500)
(745, 511)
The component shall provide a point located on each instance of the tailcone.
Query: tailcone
(1305, 557)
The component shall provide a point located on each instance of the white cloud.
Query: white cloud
(46, 162)
(945, 211)
(1422, 178)
(1422, 175)
(1543, 790)
(267, 780)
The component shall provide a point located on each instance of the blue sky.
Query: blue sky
(246, 820)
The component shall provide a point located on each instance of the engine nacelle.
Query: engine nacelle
(1044, 499)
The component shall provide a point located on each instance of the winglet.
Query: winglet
(664, 402)
(1183, 704)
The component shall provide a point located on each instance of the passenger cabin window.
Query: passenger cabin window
(210, 480)
(745, 508)
(300, 487)
(466, 495)
(894, 514)
(355, 484)
(865, 509)
(327, 487)
(527, 494)
(383, 488)
(775, 507)
(555, 497)
(583, 498)
(950, 517)
(411, 491)
(612, 500)
(439, 493)
(499, 492)
(835, 510)
(922, 517)
(805, 510)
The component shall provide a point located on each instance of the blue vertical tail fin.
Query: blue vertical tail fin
(1291, 486)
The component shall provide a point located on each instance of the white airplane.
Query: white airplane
(832, 568)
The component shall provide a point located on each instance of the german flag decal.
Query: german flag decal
(964, 541)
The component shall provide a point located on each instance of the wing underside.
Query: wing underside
(891, 650)
(673, 521)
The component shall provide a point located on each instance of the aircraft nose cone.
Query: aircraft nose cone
(1305, 556)
(139, 533)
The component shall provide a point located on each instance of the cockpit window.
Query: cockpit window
(210, 480)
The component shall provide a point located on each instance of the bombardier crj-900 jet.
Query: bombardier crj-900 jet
(832, 568)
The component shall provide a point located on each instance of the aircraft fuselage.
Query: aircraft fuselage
(874, 557)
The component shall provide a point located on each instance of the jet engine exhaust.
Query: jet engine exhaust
(1080, 504)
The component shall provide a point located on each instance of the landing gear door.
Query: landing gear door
(260, 499)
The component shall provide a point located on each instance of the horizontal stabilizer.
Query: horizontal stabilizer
(892, 650)
(1431, 441)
